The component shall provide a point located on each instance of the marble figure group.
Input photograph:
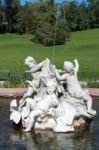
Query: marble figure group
(54, 99)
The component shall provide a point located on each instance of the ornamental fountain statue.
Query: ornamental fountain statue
(54, 99)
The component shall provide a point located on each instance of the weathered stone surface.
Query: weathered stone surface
(54, 98)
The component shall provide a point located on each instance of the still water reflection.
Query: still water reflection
(15, 139)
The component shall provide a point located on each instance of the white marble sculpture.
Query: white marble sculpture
(47, 104)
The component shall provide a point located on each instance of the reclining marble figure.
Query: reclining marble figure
(48, 104)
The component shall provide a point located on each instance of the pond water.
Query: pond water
(15, 139)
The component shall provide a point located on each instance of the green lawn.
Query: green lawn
(83, 45)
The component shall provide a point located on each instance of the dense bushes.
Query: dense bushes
(14, 82)
(51, 26)
(93, 84)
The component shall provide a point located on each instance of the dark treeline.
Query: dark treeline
(83, 16)
(41, 18)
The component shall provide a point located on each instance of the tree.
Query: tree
(83, 20)
(26, 18)
(11, 8)
(1, 15)
(47, 30)
(91, 13)
(96, 13)
(1, 11)
(82, 16)
(91, 3)
(72, 13)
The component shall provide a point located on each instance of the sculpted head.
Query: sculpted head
(68, 66)
(51, 86)
(30, 62)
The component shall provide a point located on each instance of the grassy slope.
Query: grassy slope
(83, 45)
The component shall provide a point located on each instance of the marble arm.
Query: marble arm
(50, 67)
(76, 65)
(36, 68)
(61, 71)
(60, 78)
(39, 66)
(47, 62)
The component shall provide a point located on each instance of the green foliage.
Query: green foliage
(39, 18)
(25, 19)
(14, 82)
(81, 17)
(72, 12)
(93, 84)
(49, 26)
(96, 12)
(11, 10)
(1, 16)
(4, 75)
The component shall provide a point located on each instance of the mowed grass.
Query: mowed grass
(83, 45)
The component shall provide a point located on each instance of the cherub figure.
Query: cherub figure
(73, 87)
(43, 106)
(33, 85)
(39, 72)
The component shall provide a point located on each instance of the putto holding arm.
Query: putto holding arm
(35, 70)
(73, 87)
(47, 104)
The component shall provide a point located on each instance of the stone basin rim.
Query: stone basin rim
(12, 92)
(15, 92)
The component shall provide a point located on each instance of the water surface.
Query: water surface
(16, 139)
